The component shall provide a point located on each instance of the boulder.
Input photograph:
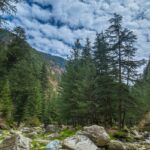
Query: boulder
(53, 135)
(64, 127)
(41, 141)
(143, 145)
(54, 145)
(52, 129)
(16, 142)
(39, 130)
(97, 134)
(27, 130)
(116, 145)
(136, 134)
(148, 139)
(14, 132)
(79, 142)
(32, 134)
(132, 146)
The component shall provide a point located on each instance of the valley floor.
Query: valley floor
(68, 138)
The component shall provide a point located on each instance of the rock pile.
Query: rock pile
(88, 138)
(16, 142)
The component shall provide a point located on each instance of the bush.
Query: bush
(122, 136)
(32, 122)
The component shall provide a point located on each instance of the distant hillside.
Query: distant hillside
(28, 78)
(55, 60)
(6, 37)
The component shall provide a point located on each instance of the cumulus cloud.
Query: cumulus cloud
(52, 26)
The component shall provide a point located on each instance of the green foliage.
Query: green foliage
(121, 41)
(34, 102)
(46, 91)
(54, 60)
(6, 106)
(36, 145)
(7, 6)
(29, 76)
(96, 86)
(68, 109)
(104, 95)
(32, 121)
(66, 133)
(122, 135)
(141, 92)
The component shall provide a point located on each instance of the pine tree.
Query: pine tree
(6, 101)
(22, 66)
(76, 52)
(141, 92)
(22, 82)
(33, 105)
(104, 79)
(7, 6)
(121, 41)
(68, 100)
(17, 49)
(87, 50)
(84, 91)
(46, 95)
(19, 32)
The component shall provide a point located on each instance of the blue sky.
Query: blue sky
(52, 26)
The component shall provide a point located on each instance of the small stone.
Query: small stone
(52, 129)
(54, 145)
(53, 135)
(116, 145)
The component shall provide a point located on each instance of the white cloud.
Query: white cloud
(80, 19)
(39, 13)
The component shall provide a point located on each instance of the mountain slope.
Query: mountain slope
(6, 37)
(54, 60)
(28, 79)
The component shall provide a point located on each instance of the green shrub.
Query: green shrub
(33, 122)
(66, 133)
(121, 135)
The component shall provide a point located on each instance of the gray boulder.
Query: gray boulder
(132, 146)
(79, 142)
(97, 134)
(39, 130)
(41, 141)
(52, 128)
(27, 130)
(54, 145)
(16, 142)
(53, 135)
(136, 134)
(116, 145)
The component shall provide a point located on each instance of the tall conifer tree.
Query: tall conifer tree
(6, 105)
(121, 41)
